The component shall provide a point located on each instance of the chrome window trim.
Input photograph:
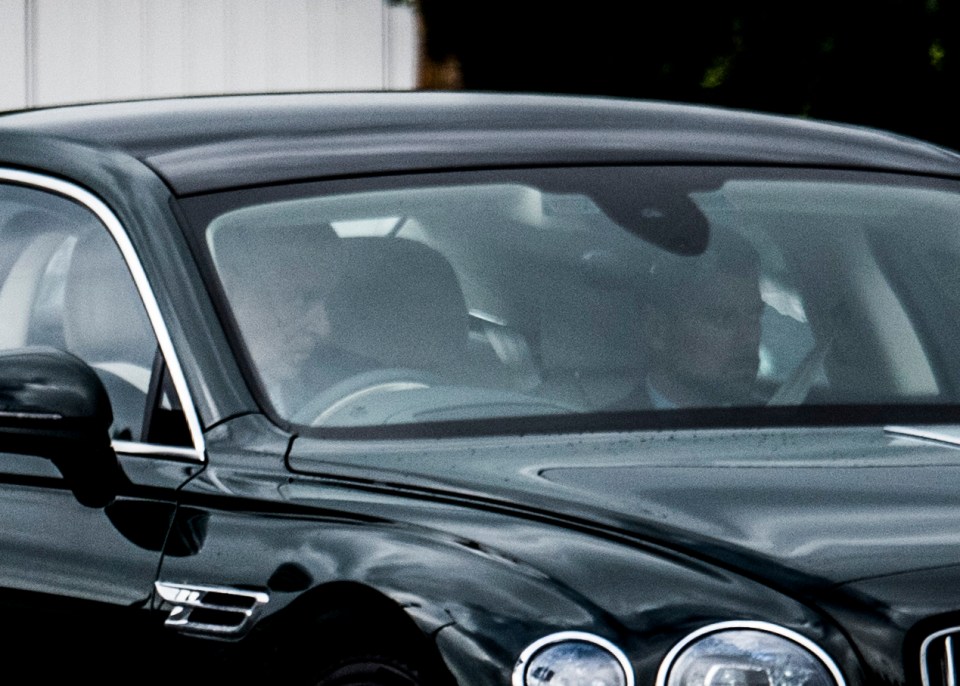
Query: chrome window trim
(520, 668)
(138, 449)
(767, 627)
(112, 223)
(925, 647)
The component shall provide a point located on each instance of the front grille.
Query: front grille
(940, 658)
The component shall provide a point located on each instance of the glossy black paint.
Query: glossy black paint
(463, 551)
(54, 385)
(53, 405)
(205, 144)
(76, 584)
(469, 563)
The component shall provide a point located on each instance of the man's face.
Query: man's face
(710, 342)
(281, 331)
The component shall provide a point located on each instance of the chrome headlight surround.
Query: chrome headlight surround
(560, 648)
(790, 642)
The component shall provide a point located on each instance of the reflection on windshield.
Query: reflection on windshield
(542, 294)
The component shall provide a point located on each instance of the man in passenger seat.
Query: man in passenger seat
(701, 330)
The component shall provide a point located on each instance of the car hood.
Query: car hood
(816, 506)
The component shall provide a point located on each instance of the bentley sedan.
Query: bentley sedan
(446, 388)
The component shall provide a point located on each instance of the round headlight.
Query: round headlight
(572, 658)
(747, 654)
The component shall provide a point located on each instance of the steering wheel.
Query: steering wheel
(344, 393)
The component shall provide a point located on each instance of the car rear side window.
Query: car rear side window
(64, 284)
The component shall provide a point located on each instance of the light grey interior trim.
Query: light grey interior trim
(947, 435)
(110, 221)
(20, 287)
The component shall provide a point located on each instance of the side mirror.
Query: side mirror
(53, 405)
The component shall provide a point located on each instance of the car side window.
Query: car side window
(65, 284)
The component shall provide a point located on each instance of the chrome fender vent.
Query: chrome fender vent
(940, 658)
(215, 610)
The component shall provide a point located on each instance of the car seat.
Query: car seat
(29, 240)
(105, 324)
(399, 303)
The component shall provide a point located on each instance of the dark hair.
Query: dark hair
(672, 277)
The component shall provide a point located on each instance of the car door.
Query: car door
(74, 575)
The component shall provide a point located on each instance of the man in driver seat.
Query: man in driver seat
(277, 298)
(701, 330)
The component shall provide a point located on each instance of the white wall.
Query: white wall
(13, 82)
(60, 51)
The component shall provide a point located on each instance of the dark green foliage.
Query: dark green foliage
(885, 63)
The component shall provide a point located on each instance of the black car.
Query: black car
(447, 388)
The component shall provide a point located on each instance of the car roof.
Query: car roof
(208, 143)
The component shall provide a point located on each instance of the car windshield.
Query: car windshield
(570, 295)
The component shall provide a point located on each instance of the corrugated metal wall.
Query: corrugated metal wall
(58, 51)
